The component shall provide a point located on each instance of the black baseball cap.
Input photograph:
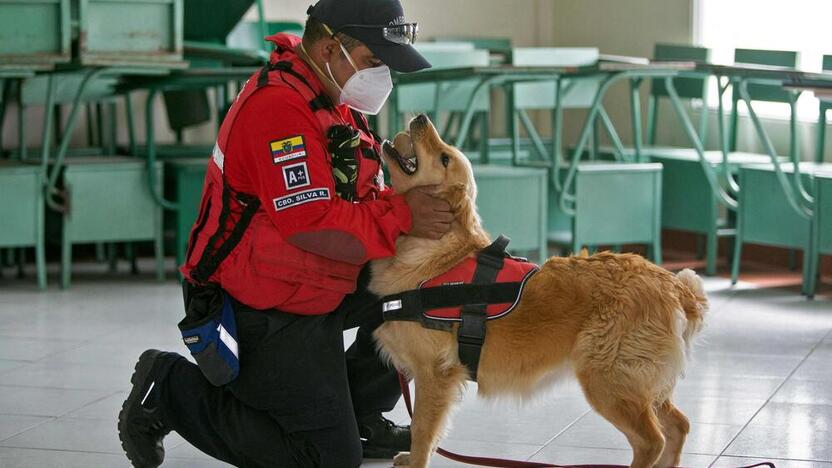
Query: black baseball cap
(379, 24)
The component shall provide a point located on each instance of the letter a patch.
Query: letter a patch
(296, 176)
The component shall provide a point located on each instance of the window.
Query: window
(801, 25)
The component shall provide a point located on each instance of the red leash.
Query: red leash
(503, 463)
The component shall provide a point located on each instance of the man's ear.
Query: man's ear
(329, 48)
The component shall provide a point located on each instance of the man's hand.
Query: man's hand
(431, 216)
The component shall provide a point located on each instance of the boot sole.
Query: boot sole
(140, 372)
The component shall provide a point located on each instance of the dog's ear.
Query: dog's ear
(584, 253)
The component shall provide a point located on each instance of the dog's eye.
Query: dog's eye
(445, 159)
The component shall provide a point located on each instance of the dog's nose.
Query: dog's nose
(421, 119)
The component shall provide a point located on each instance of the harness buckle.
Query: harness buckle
(472, 328)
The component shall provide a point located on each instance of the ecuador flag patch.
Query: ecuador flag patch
(287, 149)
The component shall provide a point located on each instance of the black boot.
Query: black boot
(381, 438)
(140, 427)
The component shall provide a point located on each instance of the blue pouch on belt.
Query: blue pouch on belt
(210, 333)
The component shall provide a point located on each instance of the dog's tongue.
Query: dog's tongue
(403, 144)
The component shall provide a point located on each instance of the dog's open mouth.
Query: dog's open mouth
(408, 164)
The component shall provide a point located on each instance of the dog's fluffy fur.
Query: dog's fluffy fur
(622, 324)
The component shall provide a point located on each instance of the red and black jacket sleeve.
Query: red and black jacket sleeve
(285, 160)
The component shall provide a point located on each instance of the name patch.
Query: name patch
(296, 175)
(300, 198)
(287, 149)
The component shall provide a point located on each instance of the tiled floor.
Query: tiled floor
(760, 386)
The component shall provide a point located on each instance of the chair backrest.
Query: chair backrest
(247, 35)
(780, 58)
(453, 96)
(687, 88)
(577, 93)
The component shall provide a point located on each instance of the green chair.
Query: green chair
(614, 204)
(766, 217)
(825, 105)
(759, 92)
(821, 229)
(185, 178)
(512, 201)
(525, 97)
(107, 200)
(21, 208)
(687, 88)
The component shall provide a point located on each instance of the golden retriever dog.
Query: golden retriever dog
(622, 324)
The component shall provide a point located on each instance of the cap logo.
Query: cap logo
(397, 20)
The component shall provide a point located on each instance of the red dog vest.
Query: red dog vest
(513, 271)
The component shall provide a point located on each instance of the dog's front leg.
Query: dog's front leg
(436, 391)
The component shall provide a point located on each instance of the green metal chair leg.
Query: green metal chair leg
(700, 247)
(40, 247)
(656, 250)
(130, 253)
(21, 128)
(821, 136)
(808, 271)
(732, 135)
(100, 252)
(20, 260)
(159, 242)
(711, 251)
(66, 260)
(652, 118)
(112, 256)
(735, 263)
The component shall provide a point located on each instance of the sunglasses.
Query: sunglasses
(404, 34)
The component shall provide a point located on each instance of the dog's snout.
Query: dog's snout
(419, 122)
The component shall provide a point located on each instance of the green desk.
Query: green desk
(786, 189)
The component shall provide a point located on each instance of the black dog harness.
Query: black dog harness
(479, 289)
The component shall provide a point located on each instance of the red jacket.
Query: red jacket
(298, 246)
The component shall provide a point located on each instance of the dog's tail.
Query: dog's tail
(694, 303)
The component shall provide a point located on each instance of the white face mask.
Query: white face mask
(366, 90)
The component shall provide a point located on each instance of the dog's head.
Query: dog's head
(419, 157)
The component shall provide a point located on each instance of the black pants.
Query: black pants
(295, 401)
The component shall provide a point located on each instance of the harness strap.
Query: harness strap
(409, 306)
(471, 333)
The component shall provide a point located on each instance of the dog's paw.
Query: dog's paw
(402, 459)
